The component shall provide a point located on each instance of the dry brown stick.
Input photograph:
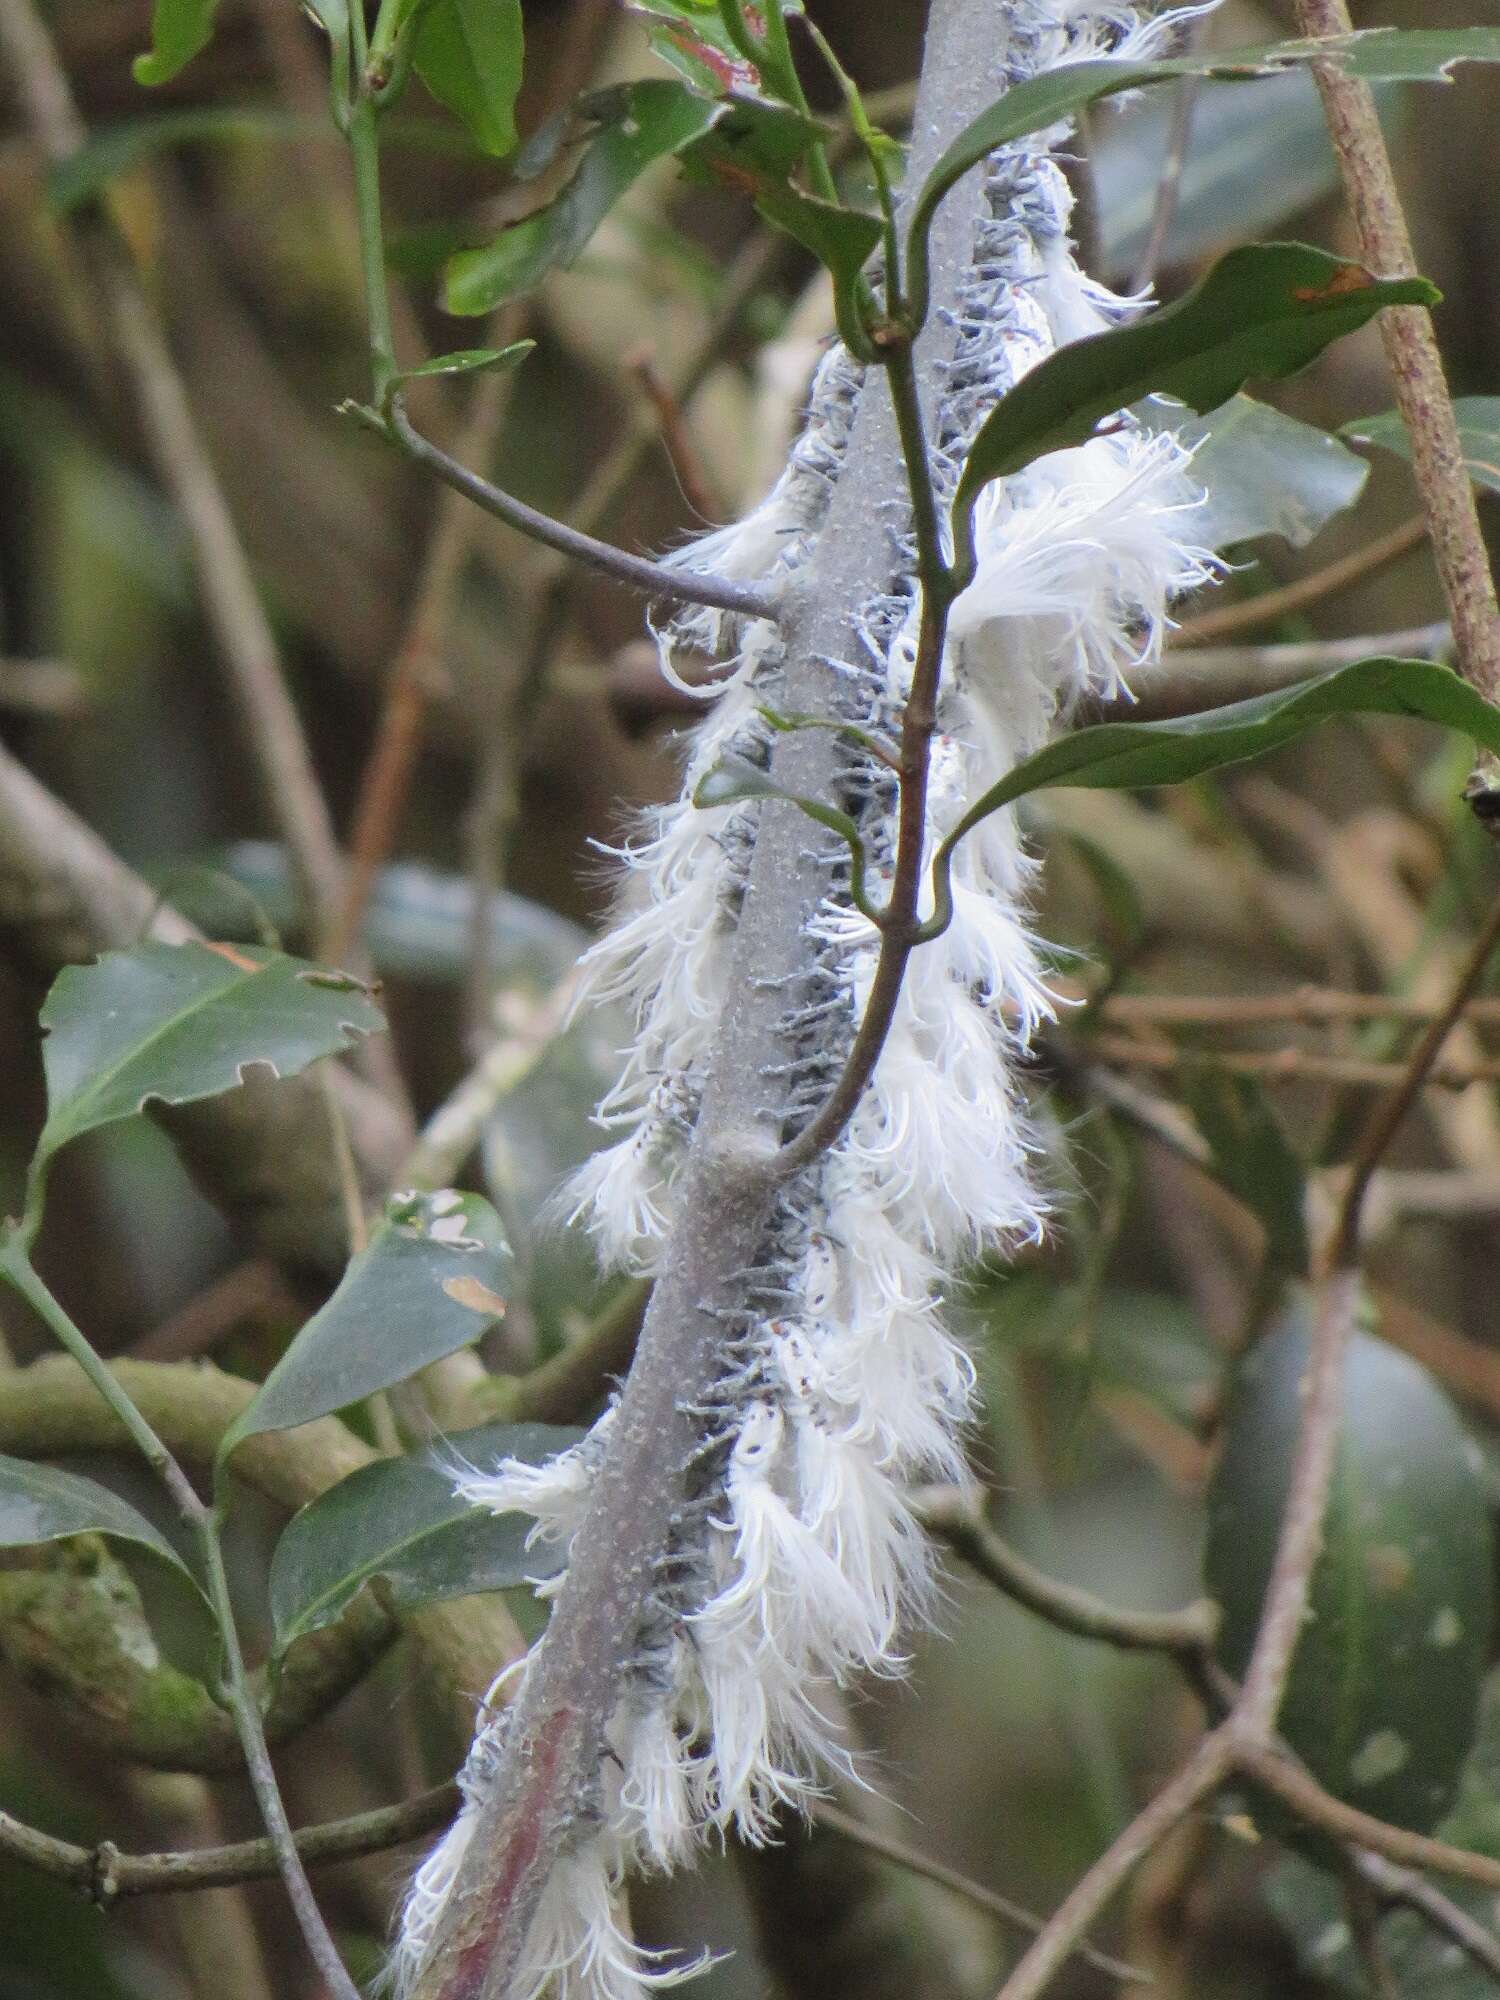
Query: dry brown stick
(1201, 1776)
(1313, 1004)
(104, 1874)
(1404, 1886)
(917, 1863)
(417, 672)
(1415, 363)
(1270, 605)
(949, 1513)
(676, 438)
(1289, 1065)
(235, 613)
(1422, 1065)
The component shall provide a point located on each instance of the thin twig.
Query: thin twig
(105, 1874)
(676, 439)
(416, 673)
(680, 586)
(1307, 590)
(241, 627)
(1169, 181)
(1316, 1005)
(1415, 362)
(1290, 1065)
(949, 1513)
(990, 1900)
(1202, 1775)
(1421, 1066)
(1406, 1888)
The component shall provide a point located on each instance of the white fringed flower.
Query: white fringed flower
(794, 1558)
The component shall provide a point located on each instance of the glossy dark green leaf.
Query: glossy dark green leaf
(1262, 473)
(1253, 1157)
(469, 54)
(400, 1521)
(1124, 756)
(173, 1023)
(40, 1503)
(179, 29)
(470, 361)
(639, 123)
(434, 1278)
(1478, 431)
(1383, 1699)
(1378, 55)
(1262, 312)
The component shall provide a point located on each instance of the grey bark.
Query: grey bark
(726, 1194)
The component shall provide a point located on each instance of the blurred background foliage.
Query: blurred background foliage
(665, 386)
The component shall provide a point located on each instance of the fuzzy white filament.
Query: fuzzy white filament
(796, 1558)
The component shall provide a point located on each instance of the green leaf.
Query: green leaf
(175, 1023)
(1124, 756)
(1263, 311)
(179, 29)
(1478, 431)
(469, 54)
(434, 1278)
(1262, 473)
(639, 123)
(469, 361)
(400, 1521)
(1253, 1158)
(1378, 55)
(692, 39)
(1383, 1699)
(39, 1503)
(1254, 159)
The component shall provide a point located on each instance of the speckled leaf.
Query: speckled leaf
(40, 1503)
(401, 1522)
(1478, 431)
(434, 1278)
(173, 1023)
(1384, 1693)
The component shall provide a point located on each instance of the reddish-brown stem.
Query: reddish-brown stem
(1415, 362)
